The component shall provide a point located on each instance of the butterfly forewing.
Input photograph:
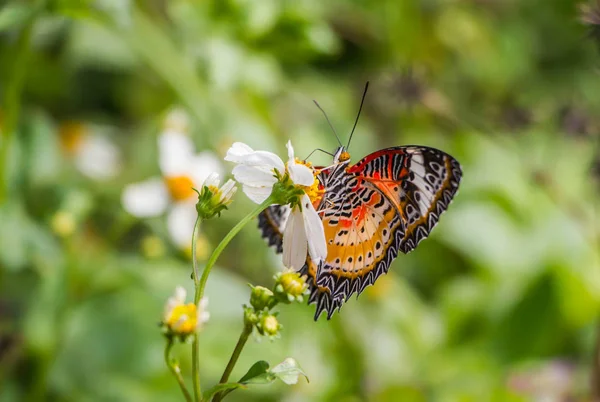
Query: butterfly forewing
(387, 202)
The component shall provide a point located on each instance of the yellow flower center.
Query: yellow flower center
(71, 135)
(180, 187)
(183, 319)
(313, 191)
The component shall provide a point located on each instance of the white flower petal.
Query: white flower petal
(253, 176)
(315, 233)
(257, 194)
(202, 165)
(98, 158)
(227, 191)
(243, 154)
(290, 149)
(175, 153)
(212, 180)
(265, 159)
(237, 152)
(300, 174)
(294, 241)
(145, 199)
(180, 223)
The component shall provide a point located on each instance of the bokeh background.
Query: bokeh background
(499, 304)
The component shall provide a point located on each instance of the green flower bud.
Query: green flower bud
(212, 200)
(261, 298)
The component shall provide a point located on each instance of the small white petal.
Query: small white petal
(212, 180)
(98, 158)
(294, 241)
(202, 165)
(228, 190)
(145, 199)
(315, 233)
(300, 174)
(257, 194)
(290, 149)
(175, 153)
(180, 223)
(253, 176)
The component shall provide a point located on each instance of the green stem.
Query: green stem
(234, 357)
(215, 255)
(174, 367)
(196, 344)
(194, 241)
(200, 286)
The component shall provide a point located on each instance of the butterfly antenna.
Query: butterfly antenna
(318, 149)
(330, 125)
(359, 110)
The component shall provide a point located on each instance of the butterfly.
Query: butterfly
(387, 202)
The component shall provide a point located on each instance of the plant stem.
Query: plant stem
(194, 262)
(174, 367)
(234, 357)
(215, 255)
(200, 285)
(196, 344)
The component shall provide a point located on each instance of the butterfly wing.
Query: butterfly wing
(271, 223)
(388, 201)
(420, 182)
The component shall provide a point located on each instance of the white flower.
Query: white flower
(225, 193)
(212, 199)
(182, 170)
(258, 171)
(93, 153)
(184, 319)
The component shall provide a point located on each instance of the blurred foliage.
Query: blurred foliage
(499, 304)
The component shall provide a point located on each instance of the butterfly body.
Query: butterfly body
(387, 202)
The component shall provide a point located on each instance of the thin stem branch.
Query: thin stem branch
(200, 285)
(196, 345)
(215, 255)
(194, 241)
(234, 357)
(174, 367)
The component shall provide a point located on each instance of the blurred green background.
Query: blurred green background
(499, 304)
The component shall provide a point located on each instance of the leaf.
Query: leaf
(257, 374)
(206, 396)
(288, 371)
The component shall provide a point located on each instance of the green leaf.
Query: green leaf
(257, 374)
(206, 396)
(288, 371)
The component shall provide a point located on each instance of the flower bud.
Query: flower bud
(261, 298)
(268, 325)
(290, 286)
(212, 200)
